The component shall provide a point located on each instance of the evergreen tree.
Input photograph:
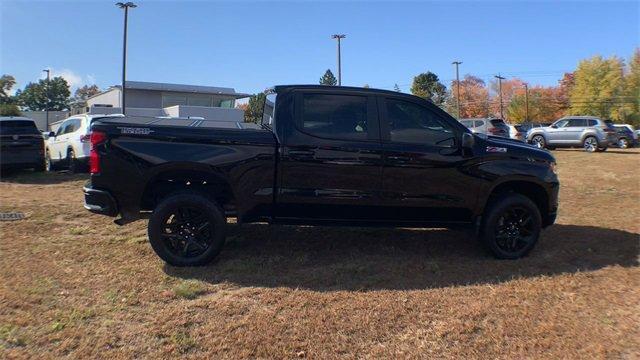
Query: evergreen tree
(328, 79)
(428, 86)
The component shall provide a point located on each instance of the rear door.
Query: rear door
(422, 177)
(573, 131)
(331, 159)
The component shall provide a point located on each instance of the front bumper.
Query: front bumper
(99, 201)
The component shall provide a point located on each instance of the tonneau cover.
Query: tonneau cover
(168, 121)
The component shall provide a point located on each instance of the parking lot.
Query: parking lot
(72, 283)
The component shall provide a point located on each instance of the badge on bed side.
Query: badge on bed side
(496, 149)
(135, 131)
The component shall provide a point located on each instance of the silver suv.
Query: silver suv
(588, 132)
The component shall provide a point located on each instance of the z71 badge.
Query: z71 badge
(496, 149)
(135, 131)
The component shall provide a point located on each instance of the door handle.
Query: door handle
(399, 158)
(301, 153)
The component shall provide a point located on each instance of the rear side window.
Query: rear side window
(335, 116)
(577, 123)
(593, 122)
(18, 127)
(498, 122)
(478, 123)
(412, 123)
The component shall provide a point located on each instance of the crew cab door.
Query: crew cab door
(423, 178)
(331, 158)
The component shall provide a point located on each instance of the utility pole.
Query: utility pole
(526, 102)
(46, 123)
(126, 7)
(457, 63)
(339, 37)
(500, 78)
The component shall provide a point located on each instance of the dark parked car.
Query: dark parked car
(324, 155)
(626, 136)
(495, 127)
(22, 145)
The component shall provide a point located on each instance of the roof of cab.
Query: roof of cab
(279, 88)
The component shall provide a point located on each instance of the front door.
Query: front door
(556, 132)
(423, 172)
(331, 160)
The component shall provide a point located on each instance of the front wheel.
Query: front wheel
(511, 226)
(187, 230)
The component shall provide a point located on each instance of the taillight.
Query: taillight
(96, 137)
(85, 138)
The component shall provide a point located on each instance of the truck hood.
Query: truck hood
(513, 147)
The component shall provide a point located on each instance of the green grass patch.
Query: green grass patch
(189, 289)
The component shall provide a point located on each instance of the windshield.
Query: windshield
(18, 127)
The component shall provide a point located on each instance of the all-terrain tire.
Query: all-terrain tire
(495, 221)
(177, 230)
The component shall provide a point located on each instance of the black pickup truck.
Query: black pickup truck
(321, 156)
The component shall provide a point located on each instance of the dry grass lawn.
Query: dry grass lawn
(74, 284)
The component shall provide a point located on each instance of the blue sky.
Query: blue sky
(254, 45)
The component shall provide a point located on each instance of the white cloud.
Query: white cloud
(75, 80)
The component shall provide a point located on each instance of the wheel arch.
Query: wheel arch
(199, 179)
(533, 190)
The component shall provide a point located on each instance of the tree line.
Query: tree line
(604, 87)
(54, 95)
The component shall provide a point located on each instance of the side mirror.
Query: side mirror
(52, 134)
(467, 140)
(554, 126)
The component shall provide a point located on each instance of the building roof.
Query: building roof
(144, 85)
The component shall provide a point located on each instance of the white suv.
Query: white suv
(69, 146)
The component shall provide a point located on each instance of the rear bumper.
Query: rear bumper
(21, 158)
(99, 201)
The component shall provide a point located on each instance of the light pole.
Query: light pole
(126, 7)
(46, 123)
(500, 78)
(339, 37)
(526, 103)
(457, 63)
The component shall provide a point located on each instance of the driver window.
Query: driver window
(413, 123)
(562, 123)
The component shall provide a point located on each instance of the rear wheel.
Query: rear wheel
(187, 230)
(623, 143)
(511, 226)
(538, 141)
(590, 144)
(72, 163)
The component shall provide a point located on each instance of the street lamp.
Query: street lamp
(526, 102)
(457, 63)
(339, 37)
(46, 124)
(500, 78)
(126, 7)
